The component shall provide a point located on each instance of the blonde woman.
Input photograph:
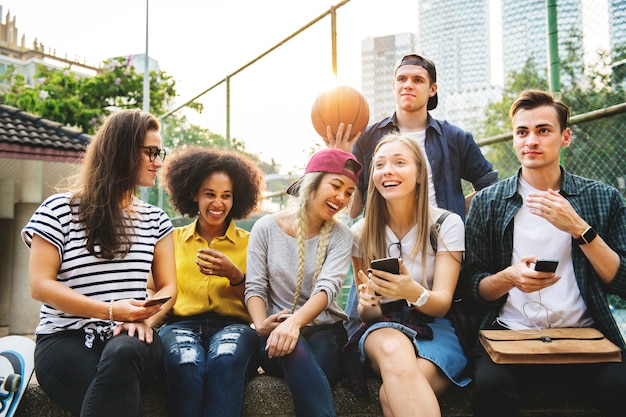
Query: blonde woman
(298, 259)
(405, 337)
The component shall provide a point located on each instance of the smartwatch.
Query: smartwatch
(422, 299)
(587, 236)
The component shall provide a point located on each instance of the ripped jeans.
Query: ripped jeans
(207, 362)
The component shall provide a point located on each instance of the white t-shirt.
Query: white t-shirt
(451, 239)
(420, 138)
(560, 305)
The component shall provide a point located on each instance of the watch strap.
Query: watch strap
(422, 299)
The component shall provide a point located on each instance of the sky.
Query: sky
(200, 43)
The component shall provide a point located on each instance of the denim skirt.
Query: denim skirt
(444, 350)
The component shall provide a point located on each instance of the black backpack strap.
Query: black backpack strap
(435, 230)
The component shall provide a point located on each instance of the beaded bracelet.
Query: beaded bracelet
(240, 282)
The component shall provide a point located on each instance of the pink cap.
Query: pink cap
(331, 160)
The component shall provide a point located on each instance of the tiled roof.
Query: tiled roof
(27, 136)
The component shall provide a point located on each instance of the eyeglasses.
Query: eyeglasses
(153, 152)
(394, 250)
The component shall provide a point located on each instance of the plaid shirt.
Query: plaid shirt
(489, 243)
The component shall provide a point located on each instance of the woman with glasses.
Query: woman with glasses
(405, 337)
(91, 251)
(298, 259)
(209, 348)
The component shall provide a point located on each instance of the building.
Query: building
(379, 56)
(456, 35)
(528, 40)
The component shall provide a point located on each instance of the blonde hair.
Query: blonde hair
(310, 184)
(373, 244)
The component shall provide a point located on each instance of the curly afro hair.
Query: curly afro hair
(188, 167)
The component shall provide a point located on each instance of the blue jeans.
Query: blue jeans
(207, 362)
(311, 368)
(104, 380)
(351, 310)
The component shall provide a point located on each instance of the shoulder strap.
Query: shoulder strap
(435, 229)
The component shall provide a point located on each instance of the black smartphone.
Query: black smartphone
(390, 265)
(157, 300)
(386, 264)
(546, 265)
(284, 317)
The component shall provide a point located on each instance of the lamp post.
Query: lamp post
(146, 91)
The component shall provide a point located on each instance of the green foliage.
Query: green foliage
(584, 88)
(82, 101)
(177, 132)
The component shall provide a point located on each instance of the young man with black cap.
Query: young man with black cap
(451, 153)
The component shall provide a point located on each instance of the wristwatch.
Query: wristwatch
(422, 299)
(587, 236)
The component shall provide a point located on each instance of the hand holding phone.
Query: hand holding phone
(283, 317)
(546, 265)
(391, 265)
(157, 300)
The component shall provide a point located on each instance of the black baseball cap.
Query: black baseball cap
(429, 66)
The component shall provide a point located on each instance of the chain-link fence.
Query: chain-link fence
(484, 58)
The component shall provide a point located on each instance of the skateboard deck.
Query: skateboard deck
(16, 367)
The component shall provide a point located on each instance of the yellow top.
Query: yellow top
(199, 293)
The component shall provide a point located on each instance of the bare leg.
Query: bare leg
(405, 391)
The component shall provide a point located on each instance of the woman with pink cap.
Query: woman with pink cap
(297, 261)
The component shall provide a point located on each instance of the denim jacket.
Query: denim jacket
(452, 153)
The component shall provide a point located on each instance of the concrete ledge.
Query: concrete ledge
(269, 396)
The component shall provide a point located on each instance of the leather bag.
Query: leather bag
(550, 346)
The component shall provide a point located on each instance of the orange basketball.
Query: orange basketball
(341, 104)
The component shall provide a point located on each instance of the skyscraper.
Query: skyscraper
(525, 28)
(379, 56)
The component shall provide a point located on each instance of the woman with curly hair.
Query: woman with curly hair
(209, 346)
(298, 259)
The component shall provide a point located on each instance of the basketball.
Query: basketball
(341, 104)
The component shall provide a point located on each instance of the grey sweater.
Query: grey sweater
(272, 268)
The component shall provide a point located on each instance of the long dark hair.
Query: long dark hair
(107, 180)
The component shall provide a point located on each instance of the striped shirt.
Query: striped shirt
(489, 243)
(102, 279)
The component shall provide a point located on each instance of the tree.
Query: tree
(596, 151)
(83, 101)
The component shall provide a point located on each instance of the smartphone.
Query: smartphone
(284, 317)
(546, 265)
(390, 265)
(154, 301)
(386, 264)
